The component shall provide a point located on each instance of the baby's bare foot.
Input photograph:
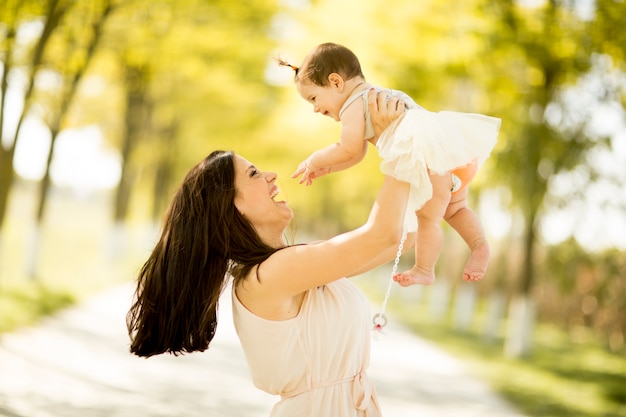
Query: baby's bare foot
(477, 264)
(415, 275)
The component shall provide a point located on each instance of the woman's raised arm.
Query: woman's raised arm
(296, 269)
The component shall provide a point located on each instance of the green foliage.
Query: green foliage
(204, 76)
(195, 70)
(541, 384)
(586, 291)
(608, 31)
(27, 303)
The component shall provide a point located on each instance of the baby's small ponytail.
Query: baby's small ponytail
(284, 63)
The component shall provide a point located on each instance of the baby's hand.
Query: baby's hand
(309, 172)
(311, 175)
(302, 170)
(319, 172)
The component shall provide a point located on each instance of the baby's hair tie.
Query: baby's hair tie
(286, 64)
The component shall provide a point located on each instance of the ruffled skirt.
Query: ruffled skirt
(423, 141)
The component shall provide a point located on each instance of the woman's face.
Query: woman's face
(256, 200)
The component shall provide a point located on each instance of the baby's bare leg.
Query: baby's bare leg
(467, 224)
(429, 239)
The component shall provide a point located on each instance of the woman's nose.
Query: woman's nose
(270, 176)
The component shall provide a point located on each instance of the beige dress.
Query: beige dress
(316, 361)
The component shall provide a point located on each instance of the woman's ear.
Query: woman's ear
(336, 81)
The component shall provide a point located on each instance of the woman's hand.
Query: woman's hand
(383, 110)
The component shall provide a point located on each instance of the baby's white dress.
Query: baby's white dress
(423, 140)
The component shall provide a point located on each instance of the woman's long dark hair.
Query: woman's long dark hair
(204, 239)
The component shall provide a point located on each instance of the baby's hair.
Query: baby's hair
(325, 59)
(284, 63)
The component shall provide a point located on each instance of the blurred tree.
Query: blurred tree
(590, 286)
(14, 15)
(607, 32)
(542, 51)
(6, 155)
(136, 119)
(70, 53)
(587, 292)
(182, 79)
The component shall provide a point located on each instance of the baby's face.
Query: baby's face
(326, 100)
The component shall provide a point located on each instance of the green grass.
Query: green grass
(558, 378)
(75, 257)
(22, 305)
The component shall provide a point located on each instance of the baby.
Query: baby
(437, 153)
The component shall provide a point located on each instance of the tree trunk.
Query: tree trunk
(464, 306)
(6, 155)
(522, 309)
(528, 267)
(7, 65)
(33, 247)
(118, 237)
(439, 298)
(6, 179)
(117, 244)
(495, 314)
(44, 184)
(134, 123)
(164, 172)
(521, 325)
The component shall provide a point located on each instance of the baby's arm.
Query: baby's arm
(310, 171)
(349, 151)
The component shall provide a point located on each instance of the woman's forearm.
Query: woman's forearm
(386, 218)
(387, 215)
(385, 255)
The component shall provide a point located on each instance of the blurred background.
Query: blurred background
(105, 105)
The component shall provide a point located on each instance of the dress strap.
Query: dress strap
(352, 99)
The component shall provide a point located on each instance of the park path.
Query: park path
(76, 364)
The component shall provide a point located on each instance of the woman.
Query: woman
(303, 327)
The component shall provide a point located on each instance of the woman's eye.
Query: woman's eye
(253, 172)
